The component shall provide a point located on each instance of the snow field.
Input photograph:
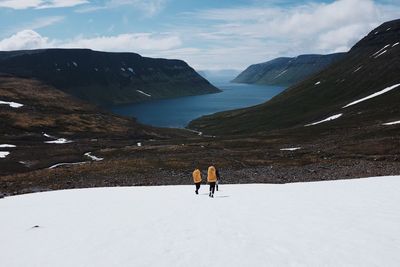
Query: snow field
(338, 223)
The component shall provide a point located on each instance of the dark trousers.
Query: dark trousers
(212, 187)
(197, 187)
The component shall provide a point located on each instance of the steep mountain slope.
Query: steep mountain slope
(286, 71)
(371, 66)
(106, 78)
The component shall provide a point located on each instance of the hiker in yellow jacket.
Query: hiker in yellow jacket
(197, 179)
(212, 179)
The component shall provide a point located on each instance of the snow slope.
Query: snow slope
(338, 223)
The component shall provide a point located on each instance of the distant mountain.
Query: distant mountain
(367, 78)
(106, 78)
(228, 73)
(286, 71)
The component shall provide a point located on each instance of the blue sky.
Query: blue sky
(208, 34)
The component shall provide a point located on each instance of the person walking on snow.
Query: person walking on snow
(197, 179)
(218, 179)
(212, 179)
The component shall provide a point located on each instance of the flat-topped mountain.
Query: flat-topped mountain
(105, 78)
(358, 92)
(286, 71)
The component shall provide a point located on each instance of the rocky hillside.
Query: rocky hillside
(106, 78)
(286, 71)
(361, 90)
(41, 126)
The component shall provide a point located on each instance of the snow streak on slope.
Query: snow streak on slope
(392, 123)
(59, 141)
(290, 149)
(387, 89)
(334, 117)
(143, 93)
(11, 104)
(66, 164)
(93, 157)
(6, 145)
(4, 154)
(340, 223)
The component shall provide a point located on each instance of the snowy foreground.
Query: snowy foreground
(340, 223)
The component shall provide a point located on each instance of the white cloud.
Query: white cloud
(149, 7)
(20, 4)
(61, 3)
(130, 42)
(232, 38)
(26, 39)
(43, 22)
(133, 42)
(40, 4)
(259, 33)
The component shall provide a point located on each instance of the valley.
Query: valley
(338, 123)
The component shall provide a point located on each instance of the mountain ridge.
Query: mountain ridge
(371, 65)
(106, 78)
(286, 71)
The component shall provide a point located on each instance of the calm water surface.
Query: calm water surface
(178, 112)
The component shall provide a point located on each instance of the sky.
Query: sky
(208, 34)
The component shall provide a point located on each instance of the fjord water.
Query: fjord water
(178, 112)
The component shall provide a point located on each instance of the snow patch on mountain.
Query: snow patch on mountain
(59, 141)
(4, 154)
(387, 89)
(334, 117)
(11, 104)
(290, 149)
(380, 54)
(67, 164)
(6, 145)
(143, 93)
(280, 74)
(93, 157)
(391, 123)
(380, 50)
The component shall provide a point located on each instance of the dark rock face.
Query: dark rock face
(106, 78)
(286, 71)
(372, 65)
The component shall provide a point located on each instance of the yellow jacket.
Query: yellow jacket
(197, 176)
(212, 174)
